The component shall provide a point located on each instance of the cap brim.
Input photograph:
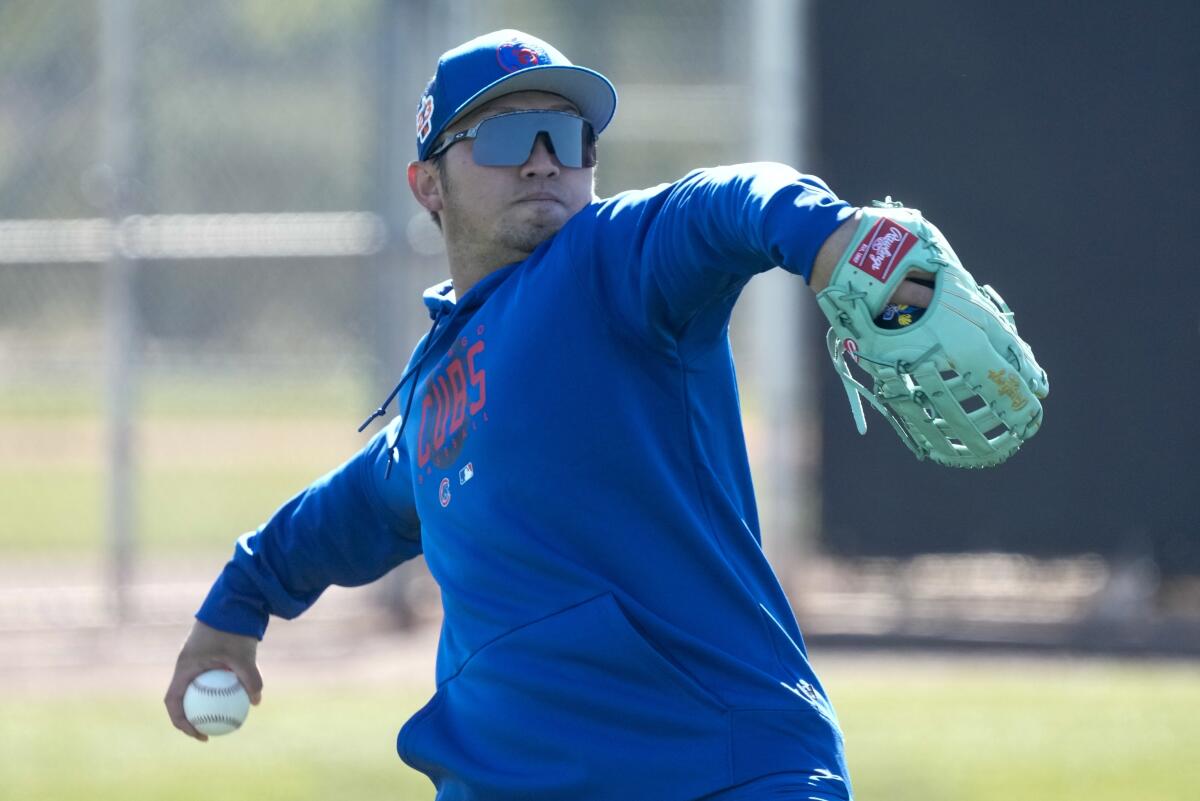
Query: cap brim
(591, 92)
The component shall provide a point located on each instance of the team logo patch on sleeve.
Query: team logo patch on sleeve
(884, 246)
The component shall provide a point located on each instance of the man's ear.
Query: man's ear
(426, 185)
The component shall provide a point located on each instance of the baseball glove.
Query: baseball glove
(958, 384)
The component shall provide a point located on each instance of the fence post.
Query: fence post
(120, 323)
(787, 457)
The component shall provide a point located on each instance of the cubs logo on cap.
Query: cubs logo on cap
(501, 63)
(516, 55)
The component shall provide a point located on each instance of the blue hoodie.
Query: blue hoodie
(574, 470)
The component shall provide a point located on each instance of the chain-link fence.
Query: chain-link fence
(204, 217)
(269, 108)
(205, 224)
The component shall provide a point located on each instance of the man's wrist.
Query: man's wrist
(831, 252)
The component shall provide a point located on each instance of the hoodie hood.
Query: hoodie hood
(441, 300)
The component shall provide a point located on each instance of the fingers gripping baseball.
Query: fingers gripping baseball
(205, 649)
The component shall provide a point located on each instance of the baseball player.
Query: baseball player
(569, 458)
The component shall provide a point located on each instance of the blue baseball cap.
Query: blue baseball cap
(500, 63)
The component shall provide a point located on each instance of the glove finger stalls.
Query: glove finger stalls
(984, 307)
(1020, 358)
(1032, 372)
(1002, 331)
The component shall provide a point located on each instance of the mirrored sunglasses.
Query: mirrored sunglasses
(507, 140)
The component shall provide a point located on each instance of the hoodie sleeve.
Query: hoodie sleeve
(670, 261)
(348, 528)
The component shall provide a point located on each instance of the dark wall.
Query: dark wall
(1056, 146)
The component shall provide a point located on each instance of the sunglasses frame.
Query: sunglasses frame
(473, 133)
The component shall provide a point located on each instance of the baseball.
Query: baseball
(215, 702)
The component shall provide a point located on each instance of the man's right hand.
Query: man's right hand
(207, 648)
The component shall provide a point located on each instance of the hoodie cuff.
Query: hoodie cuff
(235, 605)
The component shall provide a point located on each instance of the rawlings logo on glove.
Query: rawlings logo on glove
(957, 383)
(882, 249)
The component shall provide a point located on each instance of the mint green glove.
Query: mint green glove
(959, 385)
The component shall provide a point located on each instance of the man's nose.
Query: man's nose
(541, 163)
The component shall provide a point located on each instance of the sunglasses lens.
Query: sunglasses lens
(508, 139)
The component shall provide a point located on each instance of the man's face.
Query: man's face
(513, 209)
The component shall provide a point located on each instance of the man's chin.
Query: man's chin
(526, 236)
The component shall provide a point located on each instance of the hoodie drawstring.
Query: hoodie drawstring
(409, 373)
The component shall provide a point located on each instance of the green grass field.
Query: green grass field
(216, 459)
(917, 730)
(211, 394)
(1014, 729)
(213, 459)
(319, 746)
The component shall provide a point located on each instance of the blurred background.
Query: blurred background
(210, 271)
